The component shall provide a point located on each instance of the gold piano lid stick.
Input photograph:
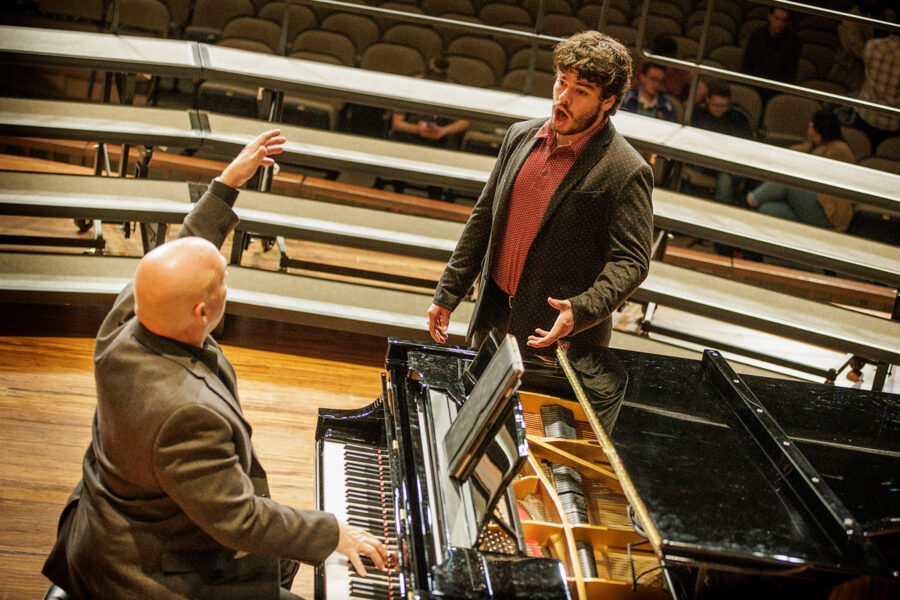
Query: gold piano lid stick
(615, 462)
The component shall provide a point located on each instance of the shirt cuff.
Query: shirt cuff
(224, 192)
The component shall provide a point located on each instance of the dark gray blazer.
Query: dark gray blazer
(592, 246)
(173, 502)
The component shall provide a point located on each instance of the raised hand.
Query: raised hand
(255, 154)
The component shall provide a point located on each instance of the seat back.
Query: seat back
(362, 30)
(497, 14)
(393, 58)
(541, 82)
(747, 99)
(483, 49)
(326, 42)
(142, 17)
(787, 117)
(256, 29)
(472, 71)
(425, 40)
(858, 141)
(301, 17)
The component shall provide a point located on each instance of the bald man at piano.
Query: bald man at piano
(173, 502)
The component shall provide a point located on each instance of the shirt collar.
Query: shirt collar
(546, 132)
(206, 355)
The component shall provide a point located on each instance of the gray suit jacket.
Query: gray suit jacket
(173, 502)
(592, 246)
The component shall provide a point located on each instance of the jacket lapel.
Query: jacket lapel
(589, 157)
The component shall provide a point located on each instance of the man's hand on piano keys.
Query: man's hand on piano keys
(353, 542)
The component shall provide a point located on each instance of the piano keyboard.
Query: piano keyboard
(357, 490)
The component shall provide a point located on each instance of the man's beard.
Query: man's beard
(573, 125)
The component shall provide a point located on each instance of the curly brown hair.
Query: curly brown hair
(598, 58)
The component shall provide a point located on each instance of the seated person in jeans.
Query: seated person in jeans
(431, 130)
(824, 138)
(719, 116)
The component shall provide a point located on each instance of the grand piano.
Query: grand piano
(611, 475)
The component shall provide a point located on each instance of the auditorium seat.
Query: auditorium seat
(301, 19)
(786, 118)
(423, 39)
(716, 37)
(254, 28)
(142, 17)
(470, 71)
(560, 25)
(551, 7)
(498, 14)
(393, 58)
(889, 148)
(730, 56)
(719, 19)
(480, 48)
(541, 83)
(317, 57)
(590, 15)
(858, 141)
(543, 59)
(211, 16)
(747, 99)
(657, 25)
(666, 9)
(363, 30)
(440, 7)
(326, 42)
(386, 22)
(625, 34)
(882, 164)
(821, 56)
(686, 47)
(245, 44)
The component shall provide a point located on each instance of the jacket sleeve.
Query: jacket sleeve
(630, 239)
(196, 463)
(468, 258)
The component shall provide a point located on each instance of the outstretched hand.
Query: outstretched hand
(255, 154)
(438, 322)
(353, 542)
(562, 327)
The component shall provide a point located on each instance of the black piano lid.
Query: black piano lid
(716, 496)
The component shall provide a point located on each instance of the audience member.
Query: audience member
(646, 99)
(429, 129)
(677, 82)
(882, 86)
(848, 65)
(824, 138)
(718, 115)
(773, 51)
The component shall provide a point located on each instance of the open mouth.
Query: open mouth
(560, 116)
